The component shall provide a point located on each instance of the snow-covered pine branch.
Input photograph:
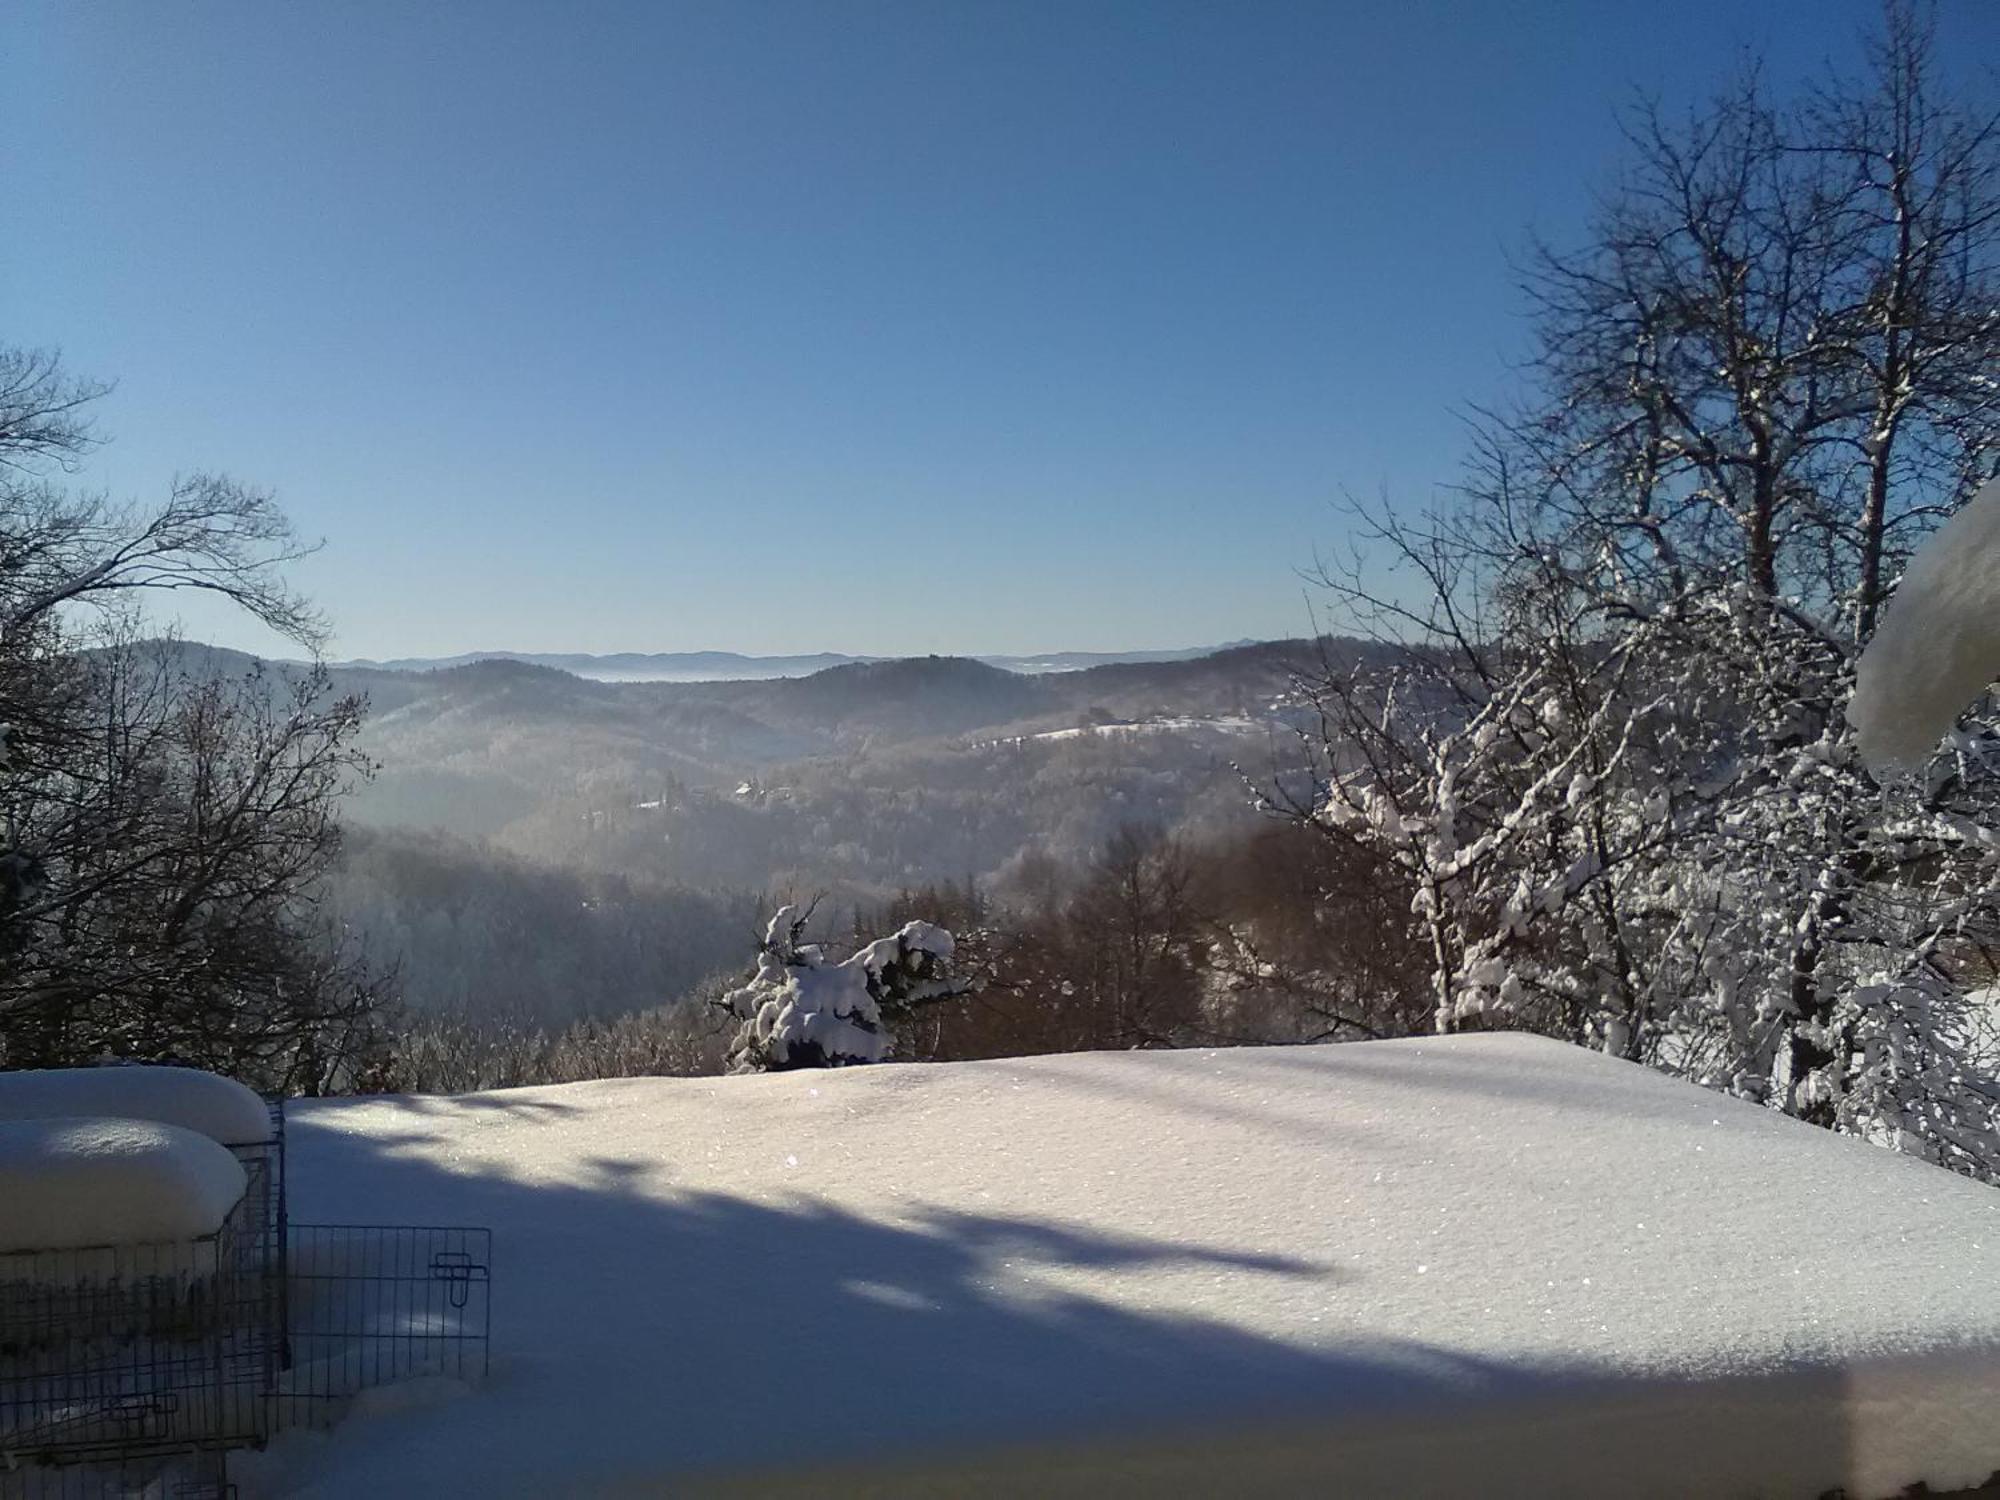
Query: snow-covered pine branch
(801, 1010)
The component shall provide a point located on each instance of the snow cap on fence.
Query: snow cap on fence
(207, 1103)
(68, 1184)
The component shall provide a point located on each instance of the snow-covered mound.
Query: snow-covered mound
(67, 1184)
(1938, 646)
(1485, 1265)
(207, 1103)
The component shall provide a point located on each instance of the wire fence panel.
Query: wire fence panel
(132, 1370)
(198, 1474)
(122, 1349)
(262, 1229)
(129, 1370)
(372, 1304)
(264, 1208)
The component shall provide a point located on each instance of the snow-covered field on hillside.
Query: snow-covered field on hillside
(1231, 724)
(1482, 1264)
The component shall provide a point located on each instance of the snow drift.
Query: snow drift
(1480, 1264)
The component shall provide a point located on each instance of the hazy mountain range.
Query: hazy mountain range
(538, 844)
(733, 666)
(855, 780)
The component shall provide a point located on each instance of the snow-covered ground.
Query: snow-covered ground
(1484, 1264)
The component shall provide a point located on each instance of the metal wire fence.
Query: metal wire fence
(120, 1350)
(194, 1474)
(262, 1227)
(263, 1212)
(375, 1303)
(133, 1370)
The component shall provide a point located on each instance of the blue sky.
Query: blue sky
(875, 327)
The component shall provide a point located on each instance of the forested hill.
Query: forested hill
(853, 782)
(722, 729)
(467, 747)
(732, 723)
(902, 698)
(734, 666)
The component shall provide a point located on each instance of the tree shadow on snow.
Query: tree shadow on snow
(647, 1334)
(499, 1101)
(678, 1331)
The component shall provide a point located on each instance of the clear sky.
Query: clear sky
(876, 327)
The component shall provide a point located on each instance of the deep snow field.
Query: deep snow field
(1476, 1265)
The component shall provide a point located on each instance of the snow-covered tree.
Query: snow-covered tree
(1612, 757)
(802, 1010)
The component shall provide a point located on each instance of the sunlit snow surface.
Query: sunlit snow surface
(1488, 1265)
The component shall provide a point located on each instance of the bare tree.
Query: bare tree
(1919, 184)
(167, 831)
(44, 420)
(61, 552)
(1608, 752)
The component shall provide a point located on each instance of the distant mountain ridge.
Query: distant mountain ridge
(863, 777)
(734, 666)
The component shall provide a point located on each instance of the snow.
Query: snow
(911, 937)
(1475, 1264)
(1938, 646)
(291, 1456)
(926, 937)
(206, 1103)
(798, 1002)
(800, 1010)
(71, 1183)
(1175, 724)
